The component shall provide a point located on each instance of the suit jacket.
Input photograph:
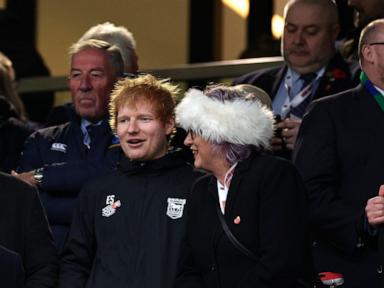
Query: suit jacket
(339, 155)
(24, 230)
(337, 78)
(268, 197)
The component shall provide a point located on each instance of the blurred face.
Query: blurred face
(206, 157)
(91, 80)
(366, 10)
(142, 135)
(308, 38)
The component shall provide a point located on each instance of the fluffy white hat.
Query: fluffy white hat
(237, 121)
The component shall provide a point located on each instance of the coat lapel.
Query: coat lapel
(371, 115)
(234, 188)
(278, 77)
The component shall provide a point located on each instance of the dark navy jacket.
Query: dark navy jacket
(128, 226)
(68, 164)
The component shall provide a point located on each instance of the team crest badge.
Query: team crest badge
(175, 208)
(111, 207)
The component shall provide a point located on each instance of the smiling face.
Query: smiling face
(206, 155)
(309, 37)
(143, 136)
(91, 80)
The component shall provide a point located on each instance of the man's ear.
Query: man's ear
(368, 54)
(170, 125)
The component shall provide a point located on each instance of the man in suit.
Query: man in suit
(338, 155)
(28, 256)
(58, 160)
(312, 67)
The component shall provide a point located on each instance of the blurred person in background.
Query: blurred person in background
(14, 124)
(312, 68)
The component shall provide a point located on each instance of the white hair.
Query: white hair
(116, 35)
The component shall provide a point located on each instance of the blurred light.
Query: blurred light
(241, 7)
(277, 26)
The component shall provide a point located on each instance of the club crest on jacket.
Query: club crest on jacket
(175, 208)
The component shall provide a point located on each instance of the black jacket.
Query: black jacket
(68, 164)
(267, 198)
(339, 154)
(135, 244)
(24, 230)
(11, 269)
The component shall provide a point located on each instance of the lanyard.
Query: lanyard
(292, 102)
(372, 90)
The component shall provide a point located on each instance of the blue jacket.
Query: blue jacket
(68, 164)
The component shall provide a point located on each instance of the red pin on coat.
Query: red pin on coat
(237, 219)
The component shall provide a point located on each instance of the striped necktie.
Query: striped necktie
(300, 109)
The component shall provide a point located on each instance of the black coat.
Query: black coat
(24, 230)
(13, 133)
(137, 244)
(339, 154)
(268, 196)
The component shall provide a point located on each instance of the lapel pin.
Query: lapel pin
(237, 220)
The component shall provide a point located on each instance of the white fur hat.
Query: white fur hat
(237, 121)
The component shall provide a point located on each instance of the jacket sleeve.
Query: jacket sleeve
(317, 159)
(41, 260)
(67, 177)
(79, 251)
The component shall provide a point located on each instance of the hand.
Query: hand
(375, 209)
(277, 144)
(27, 177)
(290, 130)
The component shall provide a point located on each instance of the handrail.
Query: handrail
(198, 71)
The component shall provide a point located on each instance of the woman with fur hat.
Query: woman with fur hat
(247, 219)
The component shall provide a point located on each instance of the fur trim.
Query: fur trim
(237, 121)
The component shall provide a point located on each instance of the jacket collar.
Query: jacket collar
(238, 175)
(173, 159)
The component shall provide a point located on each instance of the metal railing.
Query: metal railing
(200, 71)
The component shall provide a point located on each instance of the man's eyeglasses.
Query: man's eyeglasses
(376, 43)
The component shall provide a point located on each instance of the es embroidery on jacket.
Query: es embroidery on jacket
(175, 208)
(111, 207)
(61, 147)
